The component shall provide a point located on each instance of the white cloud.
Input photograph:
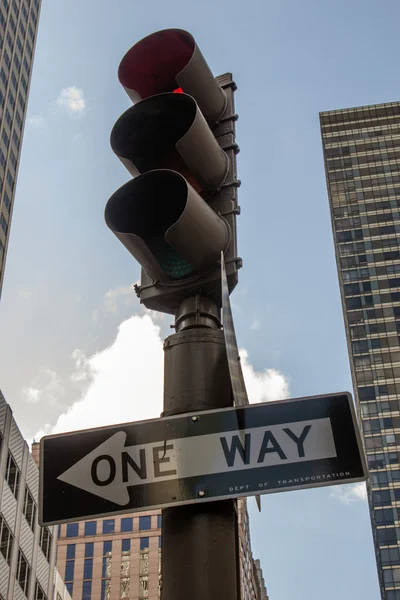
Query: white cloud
(350, 493)
(124, 382)
(125, 379)
(263, 386)
(36, 120)
(72, 99)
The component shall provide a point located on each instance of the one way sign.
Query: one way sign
(262, 448)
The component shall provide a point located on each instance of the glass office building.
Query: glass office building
(18, 28)
(362, 162)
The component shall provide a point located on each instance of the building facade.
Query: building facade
(119, 557)
(362, 162)
(18, 29)
(27, 551)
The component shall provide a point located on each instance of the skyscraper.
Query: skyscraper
(27, 551)
(18, 28)
(362, 162)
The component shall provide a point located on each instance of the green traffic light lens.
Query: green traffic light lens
(170, 261)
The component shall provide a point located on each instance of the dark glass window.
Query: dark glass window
(159, 521)
(108, 525)
(354, 302)
(126, 545)
(45, 541)
(71, 551)
(12, 475)
(69, 570)
(90, 528)
(6, 540)
(127, 524)
(23, 572)
(89, 549)
(144, 543)
(70, 587)
(88, 568)
(29, 509)
(382, 497)
(107, 547)
(387, 535)
(366, 393)
(39, 593)
(144, 523)
(86, 590)
(72, 529)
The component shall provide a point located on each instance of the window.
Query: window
(45, 541)
(29, 509)
(70, 587)
(23, 572)
(89, 548)
(6, 540)
(106, 589)
(12, 472)
(126, 545)
(72, 529)
(86, 590)
(108, 526)
(69, 570)
(71, 551)
(4, 225)
(39, 593)
(159, 521)
(387, 535)
(144, 523)
(90, 528)
(88, 568)
(144, 543)
(107, 548)
(10, 179)
(127, 524)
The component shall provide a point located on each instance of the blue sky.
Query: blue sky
(74, 330)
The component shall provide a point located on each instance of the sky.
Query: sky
(79, 351)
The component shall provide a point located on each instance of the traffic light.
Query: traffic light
(178, 142)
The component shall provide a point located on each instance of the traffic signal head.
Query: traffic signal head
(178, 142)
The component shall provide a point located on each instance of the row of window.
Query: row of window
(358, 234)
(388, 153)
(373, 257)
(385, 497)
(361, 185)
(362, 331)
(360, 123)
(370, 409)
(375, 425)
(363, 201)
(362, 346)
(352, 289)
(108, 526)
(360, 146)
(370, 272)
(382, 460)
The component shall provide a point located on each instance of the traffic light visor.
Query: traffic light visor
(170, 61)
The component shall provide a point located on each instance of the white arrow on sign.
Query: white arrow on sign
(108, 470)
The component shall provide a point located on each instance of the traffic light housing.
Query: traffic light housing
(178, 142)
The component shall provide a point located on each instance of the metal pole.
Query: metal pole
(199, 558)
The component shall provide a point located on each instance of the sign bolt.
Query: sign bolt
(201, 494)
(194, 419)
